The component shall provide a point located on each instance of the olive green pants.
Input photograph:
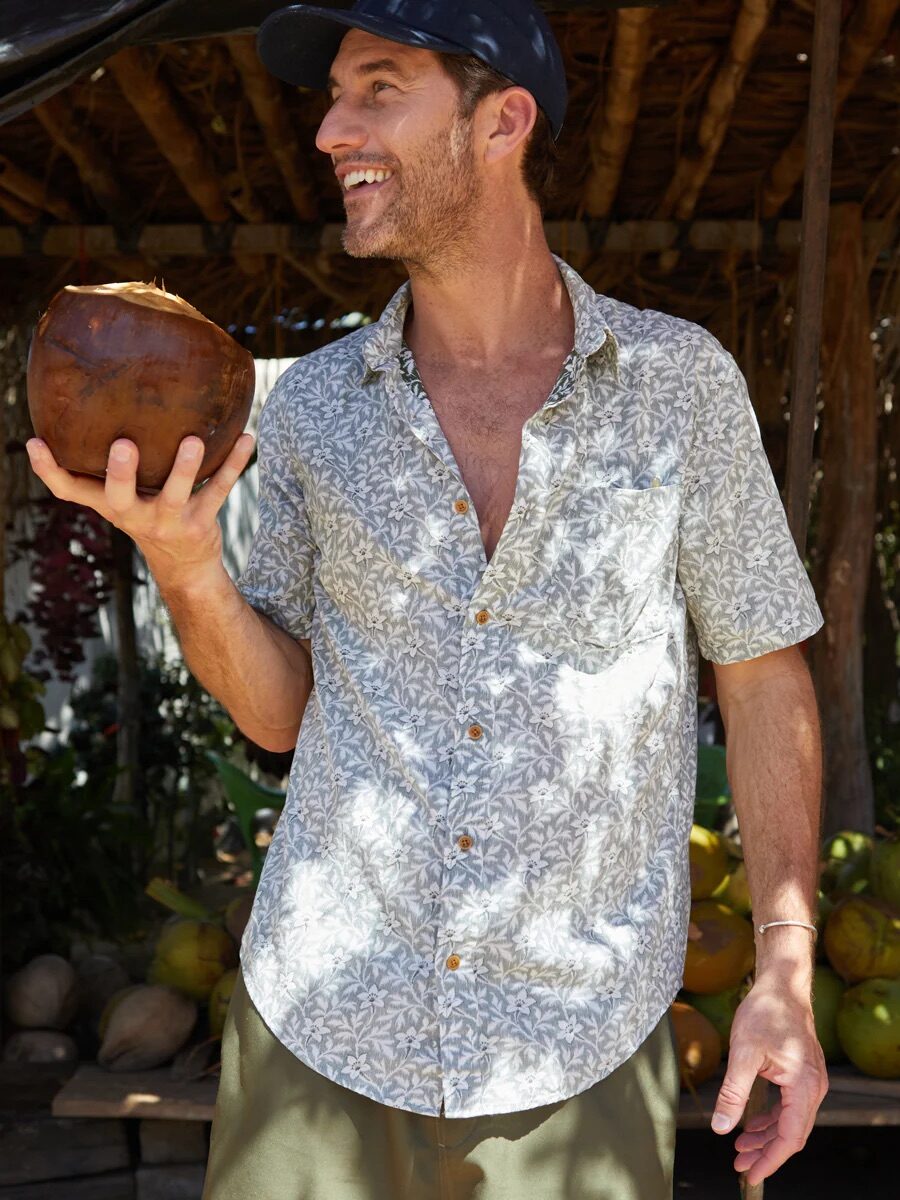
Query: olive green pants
(282, 1131)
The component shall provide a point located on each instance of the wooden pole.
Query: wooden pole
(811, 267)
(846, 524)
(805, 365)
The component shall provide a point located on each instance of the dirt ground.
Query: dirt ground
(835, 1164)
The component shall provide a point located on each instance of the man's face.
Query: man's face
(395, 110)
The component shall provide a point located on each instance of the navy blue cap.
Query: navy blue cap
(299, 43)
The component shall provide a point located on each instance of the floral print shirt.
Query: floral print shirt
(477, 896)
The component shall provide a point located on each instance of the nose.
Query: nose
(339, 130)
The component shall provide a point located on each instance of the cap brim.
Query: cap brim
(299, 44)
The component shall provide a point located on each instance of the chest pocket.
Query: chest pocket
(614, 575)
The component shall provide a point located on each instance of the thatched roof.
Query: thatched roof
(679, 115)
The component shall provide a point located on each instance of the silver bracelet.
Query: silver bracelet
(805, 924)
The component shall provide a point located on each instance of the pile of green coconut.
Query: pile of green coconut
(134, 1012)
(856, 987)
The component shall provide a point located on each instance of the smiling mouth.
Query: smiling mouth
(365, 188)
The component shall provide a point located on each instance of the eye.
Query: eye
(380, 83)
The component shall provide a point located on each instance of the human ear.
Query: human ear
(513, 115)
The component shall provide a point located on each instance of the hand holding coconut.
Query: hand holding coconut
(131, 384)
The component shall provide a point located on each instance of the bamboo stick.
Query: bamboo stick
(610, 137)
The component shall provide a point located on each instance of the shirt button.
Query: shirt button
(464, 842)
(453, 962)
(483, 616)
(475, 732)
(461, 506)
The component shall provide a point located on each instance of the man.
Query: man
(494, 528)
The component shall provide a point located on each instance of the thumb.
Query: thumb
(734, 1092)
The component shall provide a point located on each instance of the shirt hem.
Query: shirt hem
(551, 1098)
(764, 644)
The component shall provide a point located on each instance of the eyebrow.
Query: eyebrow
(373, 67)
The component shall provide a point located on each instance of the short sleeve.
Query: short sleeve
(278, 577)
(745, 585)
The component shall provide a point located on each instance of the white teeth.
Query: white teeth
(354, 178)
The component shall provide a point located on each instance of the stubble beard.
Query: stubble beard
(429, 221)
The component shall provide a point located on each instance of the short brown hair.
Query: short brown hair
(475, 80)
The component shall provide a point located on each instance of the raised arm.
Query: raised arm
(259, 673)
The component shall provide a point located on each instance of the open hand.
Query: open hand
(176, 529)
(773, 1035)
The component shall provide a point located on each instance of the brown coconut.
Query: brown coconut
(40, 1046)
(43, 994)
(720, 948)
(129, 360)
(699, 1044)
(146, 1026)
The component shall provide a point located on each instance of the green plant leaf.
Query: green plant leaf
(246, 797)
(713, 790)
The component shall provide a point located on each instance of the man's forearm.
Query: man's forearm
(774, 761)
(259, 673)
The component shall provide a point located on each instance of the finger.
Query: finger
(763, 1120)
(176, 491)
(121, 476)
(212, 495)
(755, 1141)
(746, 1162)
(794, 1124)
(78, 489)
(740, 1074)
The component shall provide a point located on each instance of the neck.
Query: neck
(503, 297)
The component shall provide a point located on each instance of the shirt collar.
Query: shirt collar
(384, 338)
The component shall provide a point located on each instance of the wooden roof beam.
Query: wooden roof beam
(265, 98)
(24, 213)
(33, 192)
(94, 167)
(611, 134)
(156, 103)
(866, 30)
(693, 169)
